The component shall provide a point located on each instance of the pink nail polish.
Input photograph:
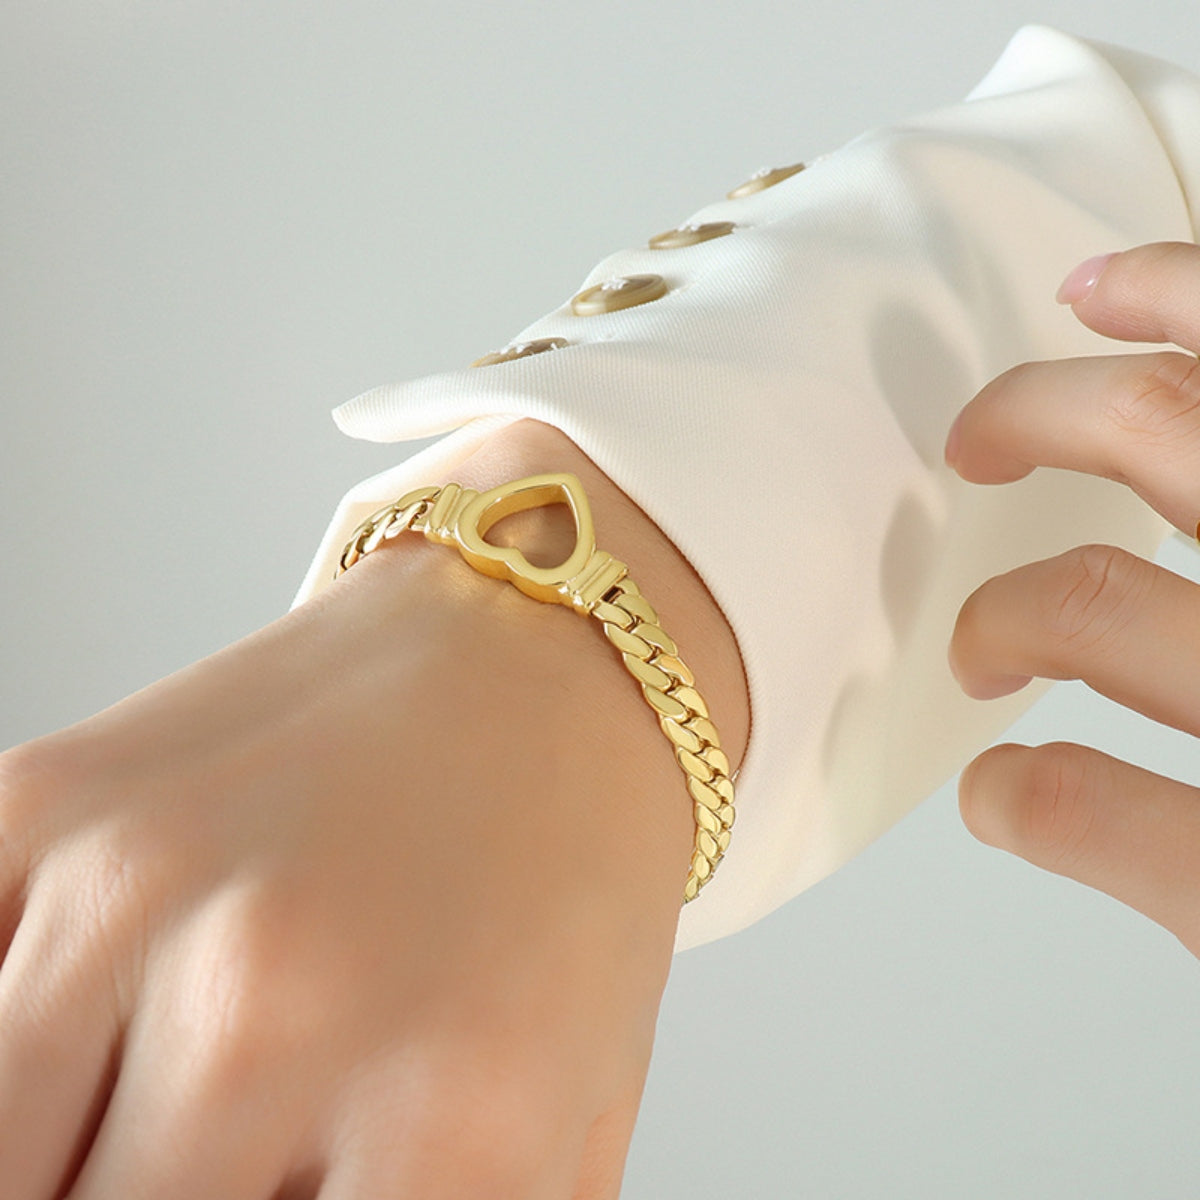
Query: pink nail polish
(1080, 283)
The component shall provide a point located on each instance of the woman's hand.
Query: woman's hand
(1126, 627)
(378, 902)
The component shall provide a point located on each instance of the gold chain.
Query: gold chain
(595, 584)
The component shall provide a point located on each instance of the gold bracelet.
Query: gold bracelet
(592, 583)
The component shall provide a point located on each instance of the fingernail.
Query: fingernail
(1081, 281)
(953, 438)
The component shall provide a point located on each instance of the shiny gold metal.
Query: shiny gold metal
(591, 583)
(639, 606)
(520, 350)
(668, 706)
(692, 698)
(613, 615)
(704, 794)
(674, 665)
(693, 764)
(765, 178)
(717, 759)
(681, 735)
(646, 673)
(628, 642)
(656, 636)
(624, 291)
(689, 235)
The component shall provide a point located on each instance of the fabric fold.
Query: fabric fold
(780, 414)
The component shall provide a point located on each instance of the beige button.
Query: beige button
(767, 177)
(622, 292)
(520, 350)
(689, 235)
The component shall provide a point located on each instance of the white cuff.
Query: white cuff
(781, 412)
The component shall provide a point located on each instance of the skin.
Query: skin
(1125, 626)
(380, 900)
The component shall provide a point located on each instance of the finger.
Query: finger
(1133, 418)
(1147, 294)
(210, 1100)
(60, 1041)
(303, 1182)
(1091, 817)
(441, 1133)
(168, 1134)
(1125, 626)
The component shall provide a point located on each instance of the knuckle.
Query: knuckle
(78, 955)
(113, 894)
(258, 990)
(105, 928)
(31, 777)
(1059, 808)
(235, 990)
(119, 879)
(1161, 403)
(1100, 591)
(29, 762)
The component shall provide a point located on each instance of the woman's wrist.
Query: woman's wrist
(410, 858)
(663, 574)
(535, 658)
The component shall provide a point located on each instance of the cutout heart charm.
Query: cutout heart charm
(482, 511)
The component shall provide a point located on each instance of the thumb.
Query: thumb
(1080, 813)
(1146, 294)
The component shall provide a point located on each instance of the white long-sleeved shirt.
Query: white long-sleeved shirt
(780, 413)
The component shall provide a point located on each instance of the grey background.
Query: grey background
(220, 220)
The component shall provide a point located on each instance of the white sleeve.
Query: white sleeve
(780, 413)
